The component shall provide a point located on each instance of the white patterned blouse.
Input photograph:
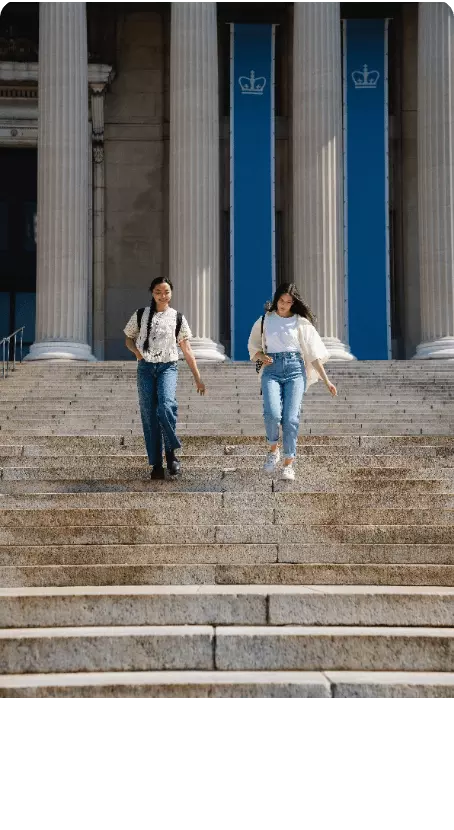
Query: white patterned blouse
(162, 345)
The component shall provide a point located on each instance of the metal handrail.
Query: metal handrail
(6, 359)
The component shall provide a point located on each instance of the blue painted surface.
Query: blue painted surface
(25, 314)
(367, 265)
(252, 174)
(4, 313)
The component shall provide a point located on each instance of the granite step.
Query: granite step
(334, 648)
(328, 538)
(14, 576)
(226, 605)
(160, 502)
(184, 684)
(16, 523)
(230, 445)
(129, 466)
(218, 684)
(204, 553)
(226, 648)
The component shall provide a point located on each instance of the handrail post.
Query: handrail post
(5, 343)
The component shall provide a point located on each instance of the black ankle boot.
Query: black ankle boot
(173, 464)
(157, 474)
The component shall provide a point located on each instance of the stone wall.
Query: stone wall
(136, 172)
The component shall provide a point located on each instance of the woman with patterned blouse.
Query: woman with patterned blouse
(153, 335)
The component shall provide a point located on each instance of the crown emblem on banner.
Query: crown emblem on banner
(365, 79)
(252, 85)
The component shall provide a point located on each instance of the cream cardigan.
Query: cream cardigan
(311, 345)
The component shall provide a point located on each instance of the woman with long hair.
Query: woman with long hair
(153, 335)
(286, 346)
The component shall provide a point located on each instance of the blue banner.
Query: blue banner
(366, 187)
(252, 246)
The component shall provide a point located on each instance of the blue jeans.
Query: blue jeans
(283, 385)
(156, 384)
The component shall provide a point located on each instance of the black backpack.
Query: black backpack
(140, 312)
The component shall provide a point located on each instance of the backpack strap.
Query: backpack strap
(263, 326)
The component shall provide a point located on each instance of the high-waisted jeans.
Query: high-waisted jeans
(156, 384)
(283, 385)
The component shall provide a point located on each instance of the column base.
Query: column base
(442, 349)
(207, 350)
(337, 349)
(60, 350)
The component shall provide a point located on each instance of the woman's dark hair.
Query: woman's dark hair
(298, 307)
(157, 281)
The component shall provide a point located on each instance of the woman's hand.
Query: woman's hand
(264, 358)
(188, 354)
(318, 366)
(131, 345)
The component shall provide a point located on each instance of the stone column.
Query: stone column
(436, 179)
(99, 233)
(194, 173)
(317, 169)
(63, 249)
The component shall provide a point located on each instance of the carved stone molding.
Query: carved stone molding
(98, 153)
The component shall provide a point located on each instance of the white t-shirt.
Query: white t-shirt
(162, 346)
(281, 333)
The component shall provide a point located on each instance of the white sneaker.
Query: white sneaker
(288, 472)
(271, 462)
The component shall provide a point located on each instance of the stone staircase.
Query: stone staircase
(225, 582)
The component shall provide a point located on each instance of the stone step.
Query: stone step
(233, 445)
(15, 576)
(386, 469)
(237, 648)
(309, 464)
(413, 552)
(230, 404)
(161, 502)
(345, 411)
(111, 554)
(324, 452)
(16, 523)
(226, 605)
(228, 431)
(302, 536)
(112, 648)
(399, 684)
(228, 483)
(335, 648)
(167, 684)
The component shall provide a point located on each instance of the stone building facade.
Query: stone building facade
(119, 129)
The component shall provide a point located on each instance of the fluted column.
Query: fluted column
(317, 168)
(194, 172)
(436, 179)
(63, 248)
(97, 115)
